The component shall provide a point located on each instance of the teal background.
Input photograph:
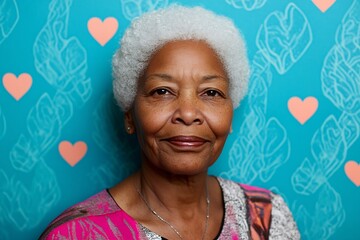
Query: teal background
(71, 99)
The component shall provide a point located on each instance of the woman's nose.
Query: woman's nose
(188, 111)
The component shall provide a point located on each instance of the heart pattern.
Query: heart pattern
(17, 87)
(323, 5)
(72, 153)
(102, 31)
(352, 170)
(302, 110)
(58, 75)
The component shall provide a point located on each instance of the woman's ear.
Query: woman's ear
(129, 122)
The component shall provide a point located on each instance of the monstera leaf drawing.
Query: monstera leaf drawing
(9, 17)
(340, 75)
(44, 128)
(284, 37)
(245, 158)
(350, 125)
(341, 78)
(259, 82)
(16, 206)
(60, 60)
(348, 32)
(135, 8)
(328, 146)
(275, 148)
(248, 5)
(307, 178)
(328, 215)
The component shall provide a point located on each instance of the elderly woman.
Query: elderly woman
(178, 76)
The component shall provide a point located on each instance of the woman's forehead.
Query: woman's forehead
(171, 78)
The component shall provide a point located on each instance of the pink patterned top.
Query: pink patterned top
(250, 213)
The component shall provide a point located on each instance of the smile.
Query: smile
(186, 141)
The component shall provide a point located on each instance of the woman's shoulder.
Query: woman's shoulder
(98, 204)
(249, 190)
(264, 204)
(99, 213)
(282, 222)
(253, 193)
(244, 188)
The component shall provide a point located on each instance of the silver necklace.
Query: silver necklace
(169, 224)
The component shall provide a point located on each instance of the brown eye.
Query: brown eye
(212, 93)
(160, 91)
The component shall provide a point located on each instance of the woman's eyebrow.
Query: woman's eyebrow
(159, 75)
(169, 77)
(211, 77)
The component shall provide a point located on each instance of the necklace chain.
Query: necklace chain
(169, 224)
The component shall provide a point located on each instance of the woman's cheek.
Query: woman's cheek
(220, 119)
(153, 119)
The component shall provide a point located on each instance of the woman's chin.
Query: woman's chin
(184, 169)
(184, 164)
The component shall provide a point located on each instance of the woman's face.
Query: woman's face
(182, 111)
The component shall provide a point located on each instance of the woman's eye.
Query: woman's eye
(212, 93)
(160, 91)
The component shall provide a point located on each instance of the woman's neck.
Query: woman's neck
(178, 194)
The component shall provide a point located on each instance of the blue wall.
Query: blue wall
(306, 149)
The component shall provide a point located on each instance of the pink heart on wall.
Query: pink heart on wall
(17, 86)
(302, 110)
(323, 5)
(102, 31)
(72, 154)
(352, 170)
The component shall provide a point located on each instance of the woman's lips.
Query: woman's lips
(186, 141)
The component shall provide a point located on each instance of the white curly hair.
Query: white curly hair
(151, 31)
